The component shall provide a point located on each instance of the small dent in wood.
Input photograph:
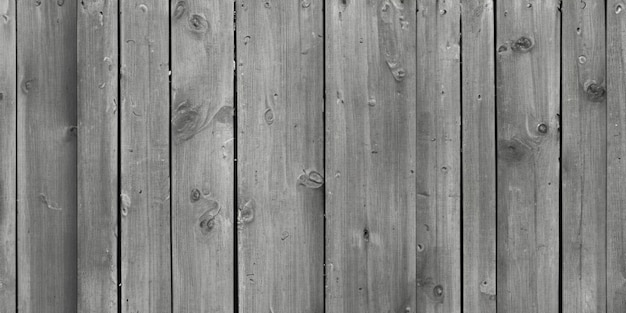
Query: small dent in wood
(73, 131)
(60, 2)
(305, 3)
(49, 204)
(595, 92)
(311, 179)
(371, 101)
(143, 8)
(245, 214)
(37, 3)
(397, 71)
(366, 235)
(284, 235)
(125, 204)
(503, 48)
(582, 59)
(28, 85)
(619, 8)
(523, 44)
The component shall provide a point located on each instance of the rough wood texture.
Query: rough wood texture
(583, 157)
(479, 158)
(8, 156)
(280, 48)
(527, 75)
(202, 155)
(145, 155)
(438, 157)
(370, 158)
(47, 156)
(97, 156)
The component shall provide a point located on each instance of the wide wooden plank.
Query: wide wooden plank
(8, 156)
(371, 160)
(280, 154)
(202, 146)
(47, 156)
(97, 156)
(479, 157)
(528, 86)
(583, 158)
(438, 159)
(145, 157)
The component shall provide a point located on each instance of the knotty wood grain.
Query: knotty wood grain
(47, 156)
(8, 156)
(583, 157)
(280, 153)
(479, 157)
(438, 157)
(527, 76)
(371, 159)
(202, 155)
(145, 157)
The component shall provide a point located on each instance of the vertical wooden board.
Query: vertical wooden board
(438, 156)
(370, 158)
(479, 157)
(97, 156)
(202, 155)
(280, 154)
(527, 82)
(584, 157)
(47, 156)
(145, 157)
(8, 156)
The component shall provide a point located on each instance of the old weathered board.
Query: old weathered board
(370, 159)
(479, 157)
(202, 144)
(528, 85)
(146, 284)
(46, 141)
(8, 156)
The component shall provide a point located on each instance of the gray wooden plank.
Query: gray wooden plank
(280, 154)
(371, 158)
(8, 156)
(145, 157)
(438, 156)
(47, 156)
(202, 155)
(479, 157)
(528, 87)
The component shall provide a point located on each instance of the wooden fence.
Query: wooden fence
(310, 156)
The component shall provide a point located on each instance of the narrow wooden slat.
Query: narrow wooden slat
(527, 77)
(97, 87)
(47, 156)
(371, 158)
(438, 156)
(479, 158)
(202, 155)
(280, 153)
(8, 156)
(584, 157)
(145, 157)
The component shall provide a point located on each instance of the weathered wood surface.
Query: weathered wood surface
(145, 157)
(280, 154)
(528, 85)
(46, 138)
(370, 159)
(202, 132)
(479, 157)
(8, 156)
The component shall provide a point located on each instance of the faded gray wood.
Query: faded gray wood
(371, 158)
(145, 157)
(583, 158)
(8, 156)
(438, 159)
(528, 84)
(203, 155)
(280, 153)
(479, 157)
(47, 156)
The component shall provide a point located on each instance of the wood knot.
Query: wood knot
(311, 179)
(397, 71)
(366, 235)
(512, 150)
(306, 3)
(188, 121)
(595, 92)
(245, 214)
(180, 9)
(28, 86)
(438, 291)
(523, 44)
(503, 48)
(198, 24)
(195, 195)
(542, 128)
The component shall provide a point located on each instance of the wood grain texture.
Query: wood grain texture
(280, 154)
(8, 156)
(97, 165)
(479, 157)
(145, 157)
(47, 188)
(203, 155)
(370, 157)
(527, 76)
(438, 156)
(583, 157)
